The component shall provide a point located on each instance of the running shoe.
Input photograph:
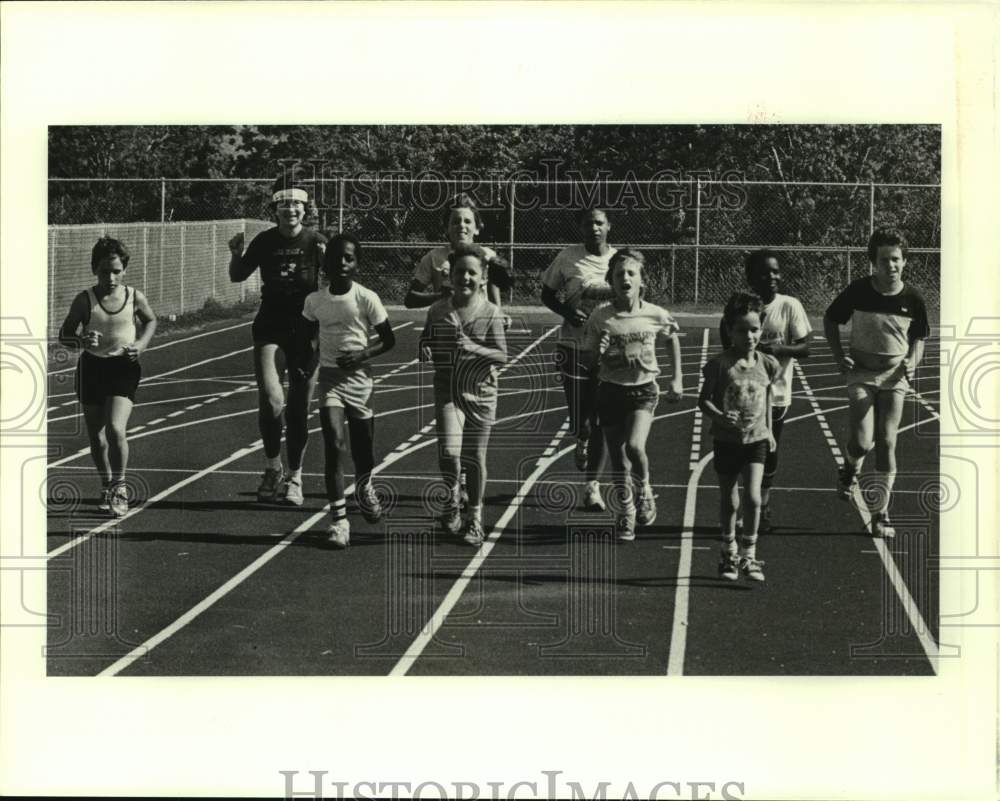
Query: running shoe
(472, 532)
(751, 568)
(104, 503)
(882, 528)
(847, 480)
(592, 500)
(645, 506)
(451, 520)
(267, 491)
(581, 453)
(729, 566)
(368, 503)
(625, 527)
(118, 500)
(291, 491)
(339, 533)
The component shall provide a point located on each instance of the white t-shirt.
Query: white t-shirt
(344, 320)
(573, 270)
(433, 270)
(785, 321)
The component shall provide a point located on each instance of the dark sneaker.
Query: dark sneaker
(267, 490)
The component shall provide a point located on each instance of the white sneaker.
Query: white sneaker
(472, 532)
(592, 500)
(104, 504)
(291, 491)
(645, 506)
(368, 503)
(118, 500)
(339, 533)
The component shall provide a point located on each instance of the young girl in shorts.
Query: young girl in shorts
(736, 397)
(341, 315)
(113, 324)
(432, 275)
(620, 340)
(464, 338)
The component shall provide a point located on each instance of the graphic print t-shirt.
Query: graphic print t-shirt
(466, 374)
(882, 326)
(741, 388)
(289, 268)
(627, 342)
(572, 271)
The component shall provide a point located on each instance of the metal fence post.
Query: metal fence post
(214, 256)
(871, 209)
(243, 284)
(847, 265)
(53, 240)
(673, 264)
(163, 200)
(510, 235)
(145, 259)
(340, 206)
(181, 309)
(697, 234)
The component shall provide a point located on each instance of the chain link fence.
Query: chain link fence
(694, 233)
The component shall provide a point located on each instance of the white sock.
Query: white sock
(296, 475)
(476, 513)
(882, 483)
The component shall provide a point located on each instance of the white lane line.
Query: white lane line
(257, 564)
(892, 571)
(171, 343)
(86, 450)
(682, 593)
(142, 650)
(432, 626)
(208, 398)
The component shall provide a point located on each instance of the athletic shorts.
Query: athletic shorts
(861, 381)
(272, 327)
(615, 402)
(569, 361)
(731, 457)
(479, 406)
(100, 378)
(351, 390)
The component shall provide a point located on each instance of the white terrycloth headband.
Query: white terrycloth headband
(290, 194)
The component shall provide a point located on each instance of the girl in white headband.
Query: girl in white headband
(289, 258)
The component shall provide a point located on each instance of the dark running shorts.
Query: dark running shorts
(276, 329)
(615, 402)
(732, 457)
(98, 379)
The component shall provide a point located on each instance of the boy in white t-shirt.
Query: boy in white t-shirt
(344, 312)
(785, 331)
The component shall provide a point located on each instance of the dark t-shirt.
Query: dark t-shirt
(289, 268)
(882, 325)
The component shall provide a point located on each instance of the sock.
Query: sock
(338, 509)
(882, 482)
(274, 464)
(476, 512)
(729, 543)
(296, 475)
(853, 463)
(748, 546)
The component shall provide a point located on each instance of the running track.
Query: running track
(199, 579)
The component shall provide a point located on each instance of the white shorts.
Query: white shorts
(349, 389)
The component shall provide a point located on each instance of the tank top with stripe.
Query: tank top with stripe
(117, 327)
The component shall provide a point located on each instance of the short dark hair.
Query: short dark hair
(885, 237)
(339, 239)
(757, 259)
(105, 248)
(739, 304)
(473, 250)
(581, 215)
(463, 200)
